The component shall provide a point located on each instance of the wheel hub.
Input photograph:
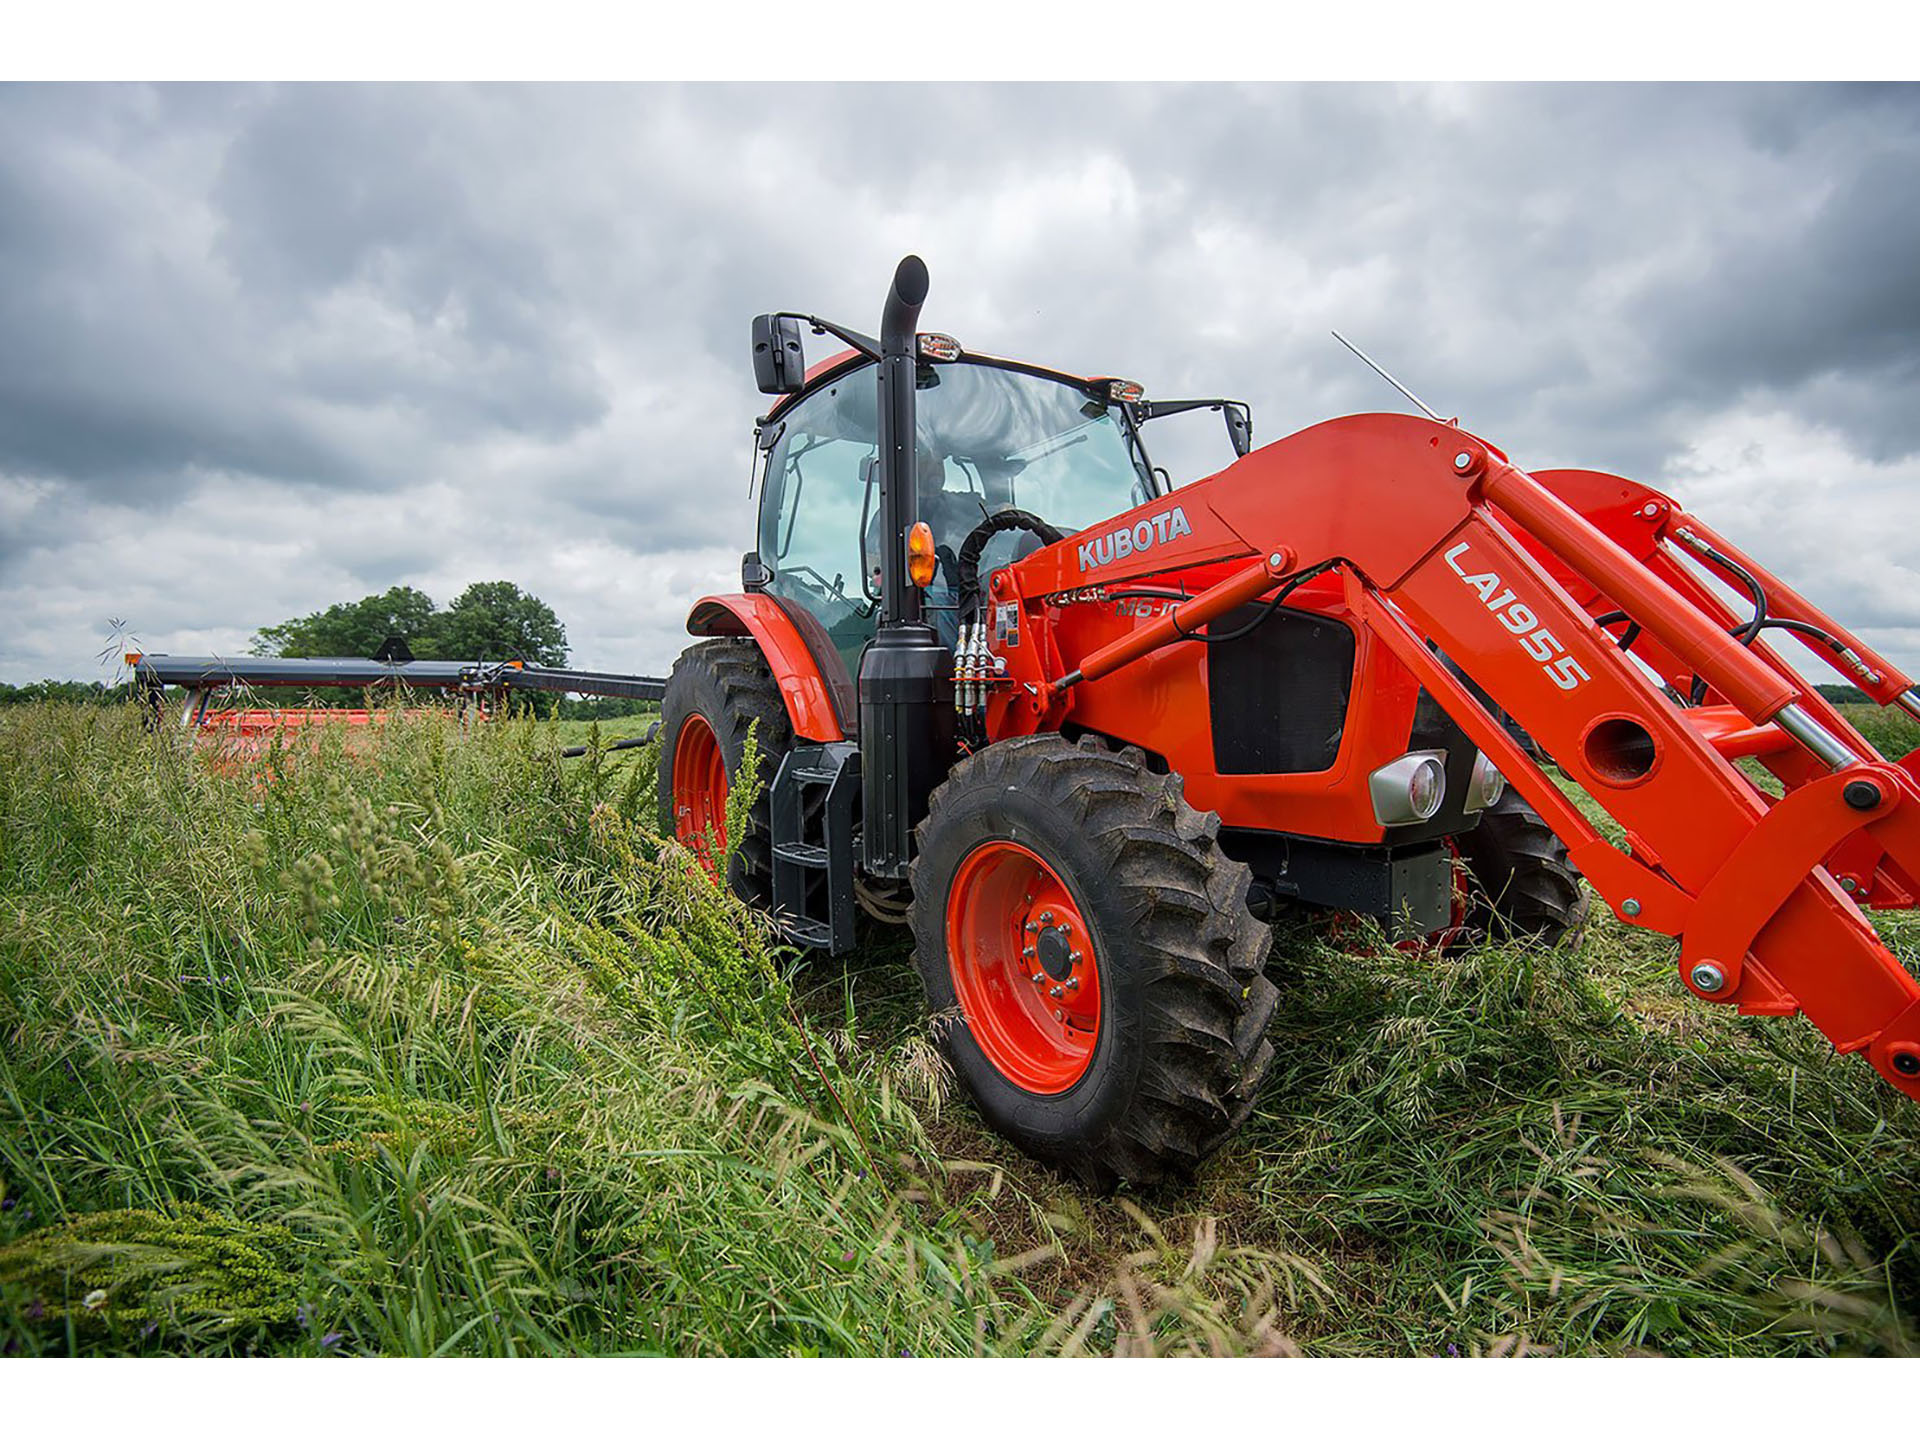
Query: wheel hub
(1055, 952)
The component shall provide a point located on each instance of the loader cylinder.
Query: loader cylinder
(1759, 691)
(1827, 749)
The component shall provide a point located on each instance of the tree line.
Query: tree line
(490, 620)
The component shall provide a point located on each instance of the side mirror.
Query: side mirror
(1239, 427)
(779, 365)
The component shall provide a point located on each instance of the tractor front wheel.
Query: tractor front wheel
(1088, 955)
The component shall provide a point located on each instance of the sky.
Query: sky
(263, 349)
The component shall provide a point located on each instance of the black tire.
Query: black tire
(1181, 1046)
(1521, 885)
(728, 684)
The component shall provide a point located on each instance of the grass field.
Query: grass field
(437, 1049)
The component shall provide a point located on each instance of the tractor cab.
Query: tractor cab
(990, 436)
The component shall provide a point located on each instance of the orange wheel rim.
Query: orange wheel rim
(1024, 967)
(700, 792)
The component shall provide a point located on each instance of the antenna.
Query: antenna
(1381, 372)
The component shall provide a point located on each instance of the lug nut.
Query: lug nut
(1028, 953)
(1073, 982)
(1056, 992)
(1708, 977)
(1074, 957)
(1032, 925)
(1039, 977)
(1046, 917)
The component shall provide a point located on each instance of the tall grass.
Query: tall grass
(439, 1048)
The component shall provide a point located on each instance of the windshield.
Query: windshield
(990, 439)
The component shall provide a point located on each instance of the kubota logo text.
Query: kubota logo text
(1118, 544)
(1535, 638)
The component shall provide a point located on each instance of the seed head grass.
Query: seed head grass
(431, 1043)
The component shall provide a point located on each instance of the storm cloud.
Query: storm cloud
(268, 348)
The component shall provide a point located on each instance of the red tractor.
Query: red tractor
(1085, 732)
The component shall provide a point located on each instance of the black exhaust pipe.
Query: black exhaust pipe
(899, 502)
(906, 674)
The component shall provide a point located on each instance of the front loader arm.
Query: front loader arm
(1446, 544)
(1680, 548)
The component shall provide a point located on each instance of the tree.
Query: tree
(357, 627)
(497, 620)
(492, 620)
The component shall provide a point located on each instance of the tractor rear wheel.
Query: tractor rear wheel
(718, 690)
(1089, 958)
(1521, 885)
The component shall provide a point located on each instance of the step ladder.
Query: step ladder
(816, 796)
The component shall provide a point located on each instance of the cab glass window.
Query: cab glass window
(821, 495)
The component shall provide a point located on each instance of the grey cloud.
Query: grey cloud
(428, 334)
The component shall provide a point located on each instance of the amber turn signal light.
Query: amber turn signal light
(921, 561)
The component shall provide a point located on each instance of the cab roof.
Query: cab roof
(846, 361)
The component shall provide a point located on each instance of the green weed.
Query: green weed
(433, 1045)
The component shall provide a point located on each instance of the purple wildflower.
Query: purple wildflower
(906, 1354)
(36, 1311)
(330, 1339)
(1454, 1350)
(6, 1204)
(304, 1315)
(553, 1172)
(846, 1255)
(146, 1330)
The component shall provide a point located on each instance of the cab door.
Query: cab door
(820, 512)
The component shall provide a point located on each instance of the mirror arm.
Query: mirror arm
(1239, 416)
(865, 344)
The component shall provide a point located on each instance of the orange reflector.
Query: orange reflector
(921, 561)
(134, 657)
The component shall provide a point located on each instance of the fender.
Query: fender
(809, 701)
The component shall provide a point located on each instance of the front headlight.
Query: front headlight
(1409, 790)
(1485, 787)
